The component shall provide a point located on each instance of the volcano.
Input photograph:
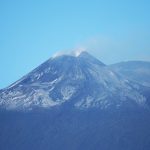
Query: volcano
(79, 81)
(75, 102)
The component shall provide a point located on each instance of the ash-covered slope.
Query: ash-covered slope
(79, 81)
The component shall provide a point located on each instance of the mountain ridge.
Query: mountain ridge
(138, 71)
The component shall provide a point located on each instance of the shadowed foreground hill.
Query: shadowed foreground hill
(72, 130)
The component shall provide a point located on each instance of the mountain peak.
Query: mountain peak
(79, 54)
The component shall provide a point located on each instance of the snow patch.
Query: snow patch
(67, 92)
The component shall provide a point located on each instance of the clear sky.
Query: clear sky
(31, 31)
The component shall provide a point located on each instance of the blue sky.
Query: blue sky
(31, 31)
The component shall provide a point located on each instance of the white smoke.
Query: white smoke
(73, 52)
